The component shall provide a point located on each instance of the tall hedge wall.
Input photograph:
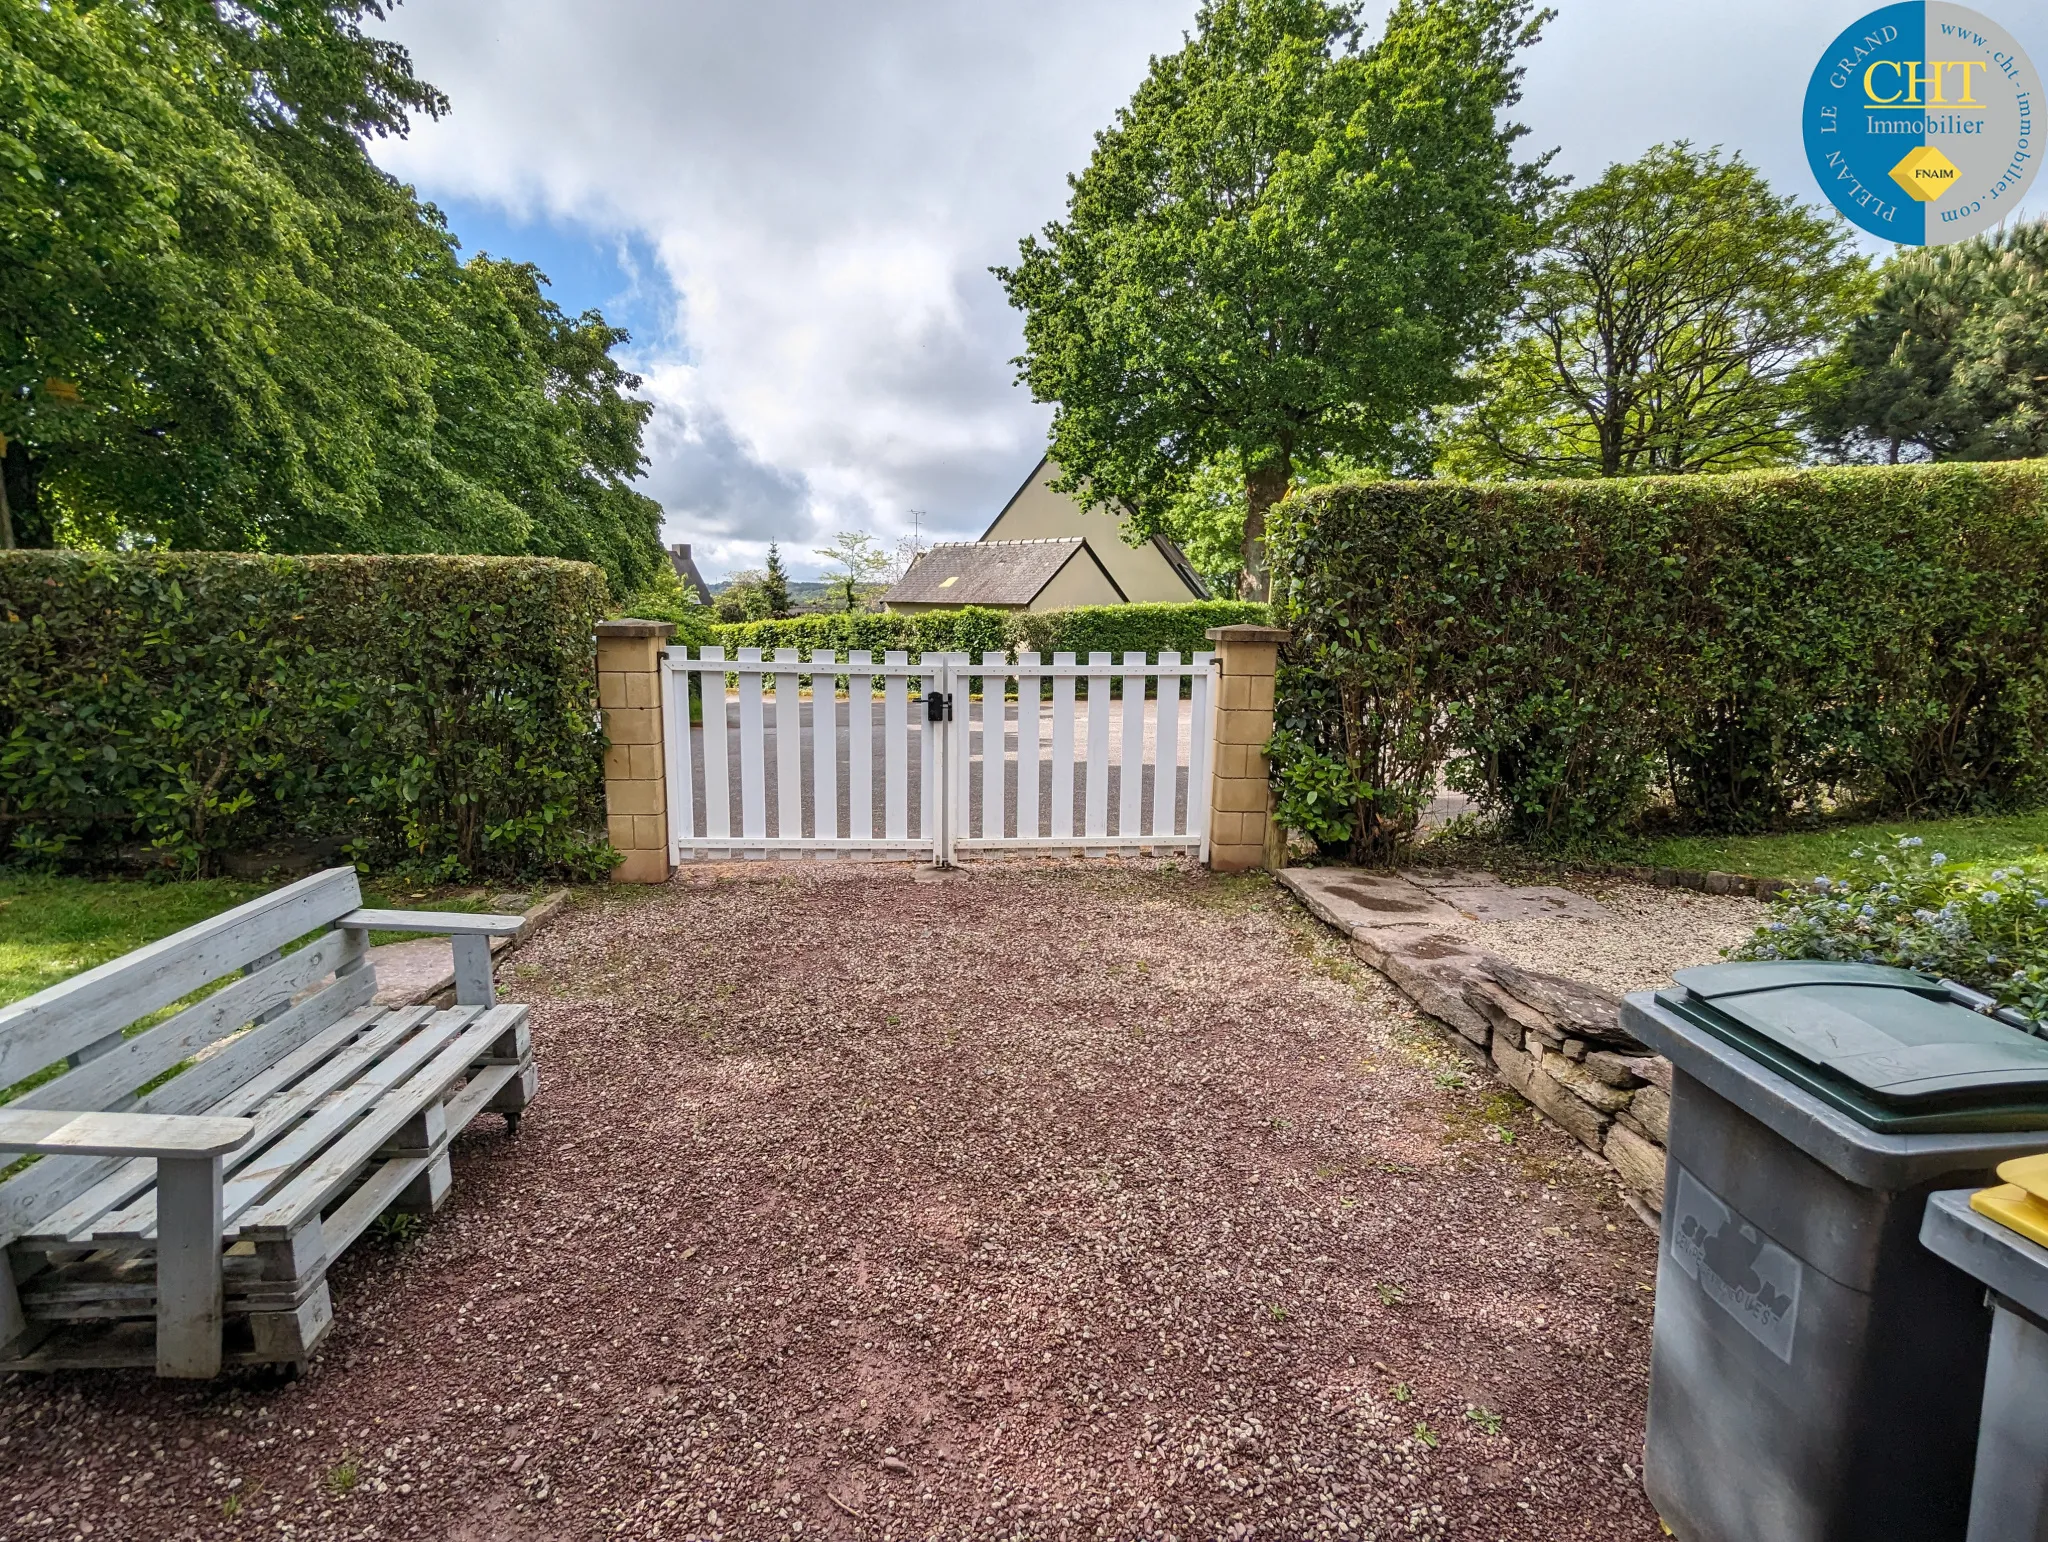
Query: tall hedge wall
(435, 712)
(1748, 644)
(1090, 628)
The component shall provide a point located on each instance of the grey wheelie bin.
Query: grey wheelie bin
(1815, 1373)
(2009, 1500)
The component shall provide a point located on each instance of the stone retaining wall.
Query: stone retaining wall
(1558, 1042)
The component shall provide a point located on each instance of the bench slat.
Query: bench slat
(318, 1186)
(84, 1009)
(166, 1136)
(301, 1140)
(328, 1062)
(98, 1082)
(352, 1217)
(28, 1196)
(451, 923)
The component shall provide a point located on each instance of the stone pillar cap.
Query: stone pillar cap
(628, 628)
(1248, 634)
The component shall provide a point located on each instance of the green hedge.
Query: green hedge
(1090, 628)
(1747, 645)
(436, 713)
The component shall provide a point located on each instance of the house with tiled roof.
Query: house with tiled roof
(1047, 551)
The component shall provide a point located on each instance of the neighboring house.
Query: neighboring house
(1045, 552)
(1005, 575)
(686, 570)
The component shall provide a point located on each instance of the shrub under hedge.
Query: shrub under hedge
(1752, 644)
(976, 630)
(434, 712)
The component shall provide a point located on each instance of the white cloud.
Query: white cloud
(826, 185)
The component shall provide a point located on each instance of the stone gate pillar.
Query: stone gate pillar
(1242, 832)
(635, 776)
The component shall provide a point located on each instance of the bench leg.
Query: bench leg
(429, 1191)
(13, 1322)
(294, 1274)
(512, 1098)
(188, 1271)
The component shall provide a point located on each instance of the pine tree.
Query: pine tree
(775, 586)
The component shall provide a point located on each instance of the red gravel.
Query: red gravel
(1028, 1202)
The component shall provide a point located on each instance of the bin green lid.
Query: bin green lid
(1889, 1047)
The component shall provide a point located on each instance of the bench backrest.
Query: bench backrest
(81, 1022)
(89, 1011)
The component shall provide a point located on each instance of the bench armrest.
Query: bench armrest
(470, 936)
(448, 923)
(168, 1137)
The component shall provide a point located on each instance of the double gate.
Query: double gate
(937, 759)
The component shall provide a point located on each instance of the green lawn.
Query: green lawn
(51, 928)
(1804, 854)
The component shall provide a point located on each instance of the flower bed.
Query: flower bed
(1984, 927)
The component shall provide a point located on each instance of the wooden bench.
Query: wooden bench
(194, 1179)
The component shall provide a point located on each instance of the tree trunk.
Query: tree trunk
(27, 526)
(6, 514)
(1264, 485)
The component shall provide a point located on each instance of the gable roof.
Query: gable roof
(1168, 548)
(989, 572)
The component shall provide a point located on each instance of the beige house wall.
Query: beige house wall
(1038, 513)
(1078, 582)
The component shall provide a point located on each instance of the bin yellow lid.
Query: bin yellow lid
(2014, 1207)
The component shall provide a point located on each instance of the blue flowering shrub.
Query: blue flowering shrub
(1985, 927)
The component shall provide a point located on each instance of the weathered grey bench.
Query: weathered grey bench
(194, 1180)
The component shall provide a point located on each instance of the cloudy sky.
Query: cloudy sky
(793, 204)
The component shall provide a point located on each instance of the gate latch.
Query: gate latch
(938, 707)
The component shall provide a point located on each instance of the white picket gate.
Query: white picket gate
(975, 763)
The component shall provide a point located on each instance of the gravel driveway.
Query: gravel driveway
(1022, 1202)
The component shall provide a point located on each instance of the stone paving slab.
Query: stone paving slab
(1498, 902)
(1356, 902)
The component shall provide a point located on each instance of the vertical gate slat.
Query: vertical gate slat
(895, 751)
(675, 717)
(1028, 760)
(1062, 749)
(1165, 745)
(753, 751)
(960, 764)
(1201, 731)
(1131, 764)
(717, 777)
(1098, 744)
(860, 747)
(789, 750)
(994, 680)
(928, 790)
(825, 745)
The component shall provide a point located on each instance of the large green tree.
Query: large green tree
(1668, 328)
(1951, 361)
(221, 325)
(1282, 250)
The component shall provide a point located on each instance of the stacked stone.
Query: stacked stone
(1559, 1043)
(1556, 1041)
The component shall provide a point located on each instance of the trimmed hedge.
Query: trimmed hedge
(972, 629)
(1749, 645)
(434, 713)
